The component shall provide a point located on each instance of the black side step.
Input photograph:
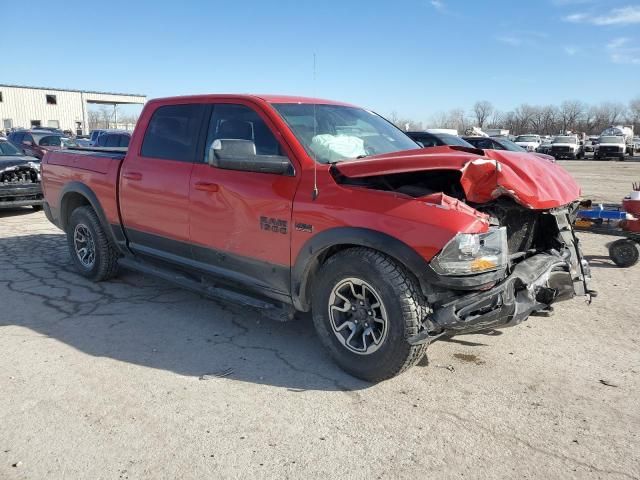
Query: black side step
(274, 311)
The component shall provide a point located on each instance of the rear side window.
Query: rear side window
(172, 133)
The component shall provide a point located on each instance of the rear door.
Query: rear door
(240, 221)
(154, 182)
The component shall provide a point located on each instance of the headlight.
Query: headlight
(472, 253)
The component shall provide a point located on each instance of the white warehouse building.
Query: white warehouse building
(28, 107)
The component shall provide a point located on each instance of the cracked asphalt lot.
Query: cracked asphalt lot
(134, 378)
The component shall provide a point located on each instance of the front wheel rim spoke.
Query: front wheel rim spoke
(359, 322)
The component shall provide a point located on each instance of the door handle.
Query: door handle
(206, 186)
(132, 176)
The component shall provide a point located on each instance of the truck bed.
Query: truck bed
(94, 170)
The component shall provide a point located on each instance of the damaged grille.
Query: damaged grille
(527, 230)
(19, 175)
(521, 229)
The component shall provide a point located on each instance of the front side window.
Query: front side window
(335, 133)
(239, 122)
(172, 133)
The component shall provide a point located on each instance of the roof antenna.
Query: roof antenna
(315, 192)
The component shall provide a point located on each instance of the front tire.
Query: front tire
(365, 307)
(36, 208)
(91, 252)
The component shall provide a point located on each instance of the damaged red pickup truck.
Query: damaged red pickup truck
(294, 204)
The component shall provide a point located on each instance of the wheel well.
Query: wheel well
(319, 260)
(70, 202)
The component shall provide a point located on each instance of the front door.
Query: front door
(154, 182)
(240, 221)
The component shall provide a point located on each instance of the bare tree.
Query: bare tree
(481, 111)
(570, 113)
(93, 118)
(634, 113)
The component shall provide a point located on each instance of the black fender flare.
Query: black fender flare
(114, 232)
(308, 261)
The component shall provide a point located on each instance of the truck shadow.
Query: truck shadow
(146, 322)
(600, 261)
(15, 212)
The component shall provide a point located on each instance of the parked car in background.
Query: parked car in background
(500, 143)
(625, 131)
(20, 181)
(289, 204)
(545, 147)
(590, 143)
(529, 142)
(567, 146)
(113, 138)
(437, 139)
(611, 146)
(36, 142)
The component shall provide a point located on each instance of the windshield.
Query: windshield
(527, 138)
(509, 145)
(449, 139)
(611, 139)
(564, 140)
(7, 149)
(333, 133)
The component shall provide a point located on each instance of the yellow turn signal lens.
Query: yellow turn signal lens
(482, 264)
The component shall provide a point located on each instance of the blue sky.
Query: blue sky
(415, 57)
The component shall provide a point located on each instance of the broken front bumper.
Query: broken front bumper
(21, 195)
(532, 286)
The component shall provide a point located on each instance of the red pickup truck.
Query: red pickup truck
(291, 204)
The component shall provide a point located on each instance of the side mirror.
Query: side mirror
(28, 143)
(232, 154)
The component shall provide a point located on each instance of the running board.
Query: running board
(280, 313)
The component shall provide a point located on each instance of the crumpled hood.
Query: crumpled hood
(7, 161)
(486, 175)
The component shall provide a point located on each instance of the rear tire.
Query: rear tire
(348, 287)
(36, 208)
(624, 252)
(91, 252)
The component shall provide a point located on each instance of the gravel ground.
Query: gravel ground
(134, 378)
